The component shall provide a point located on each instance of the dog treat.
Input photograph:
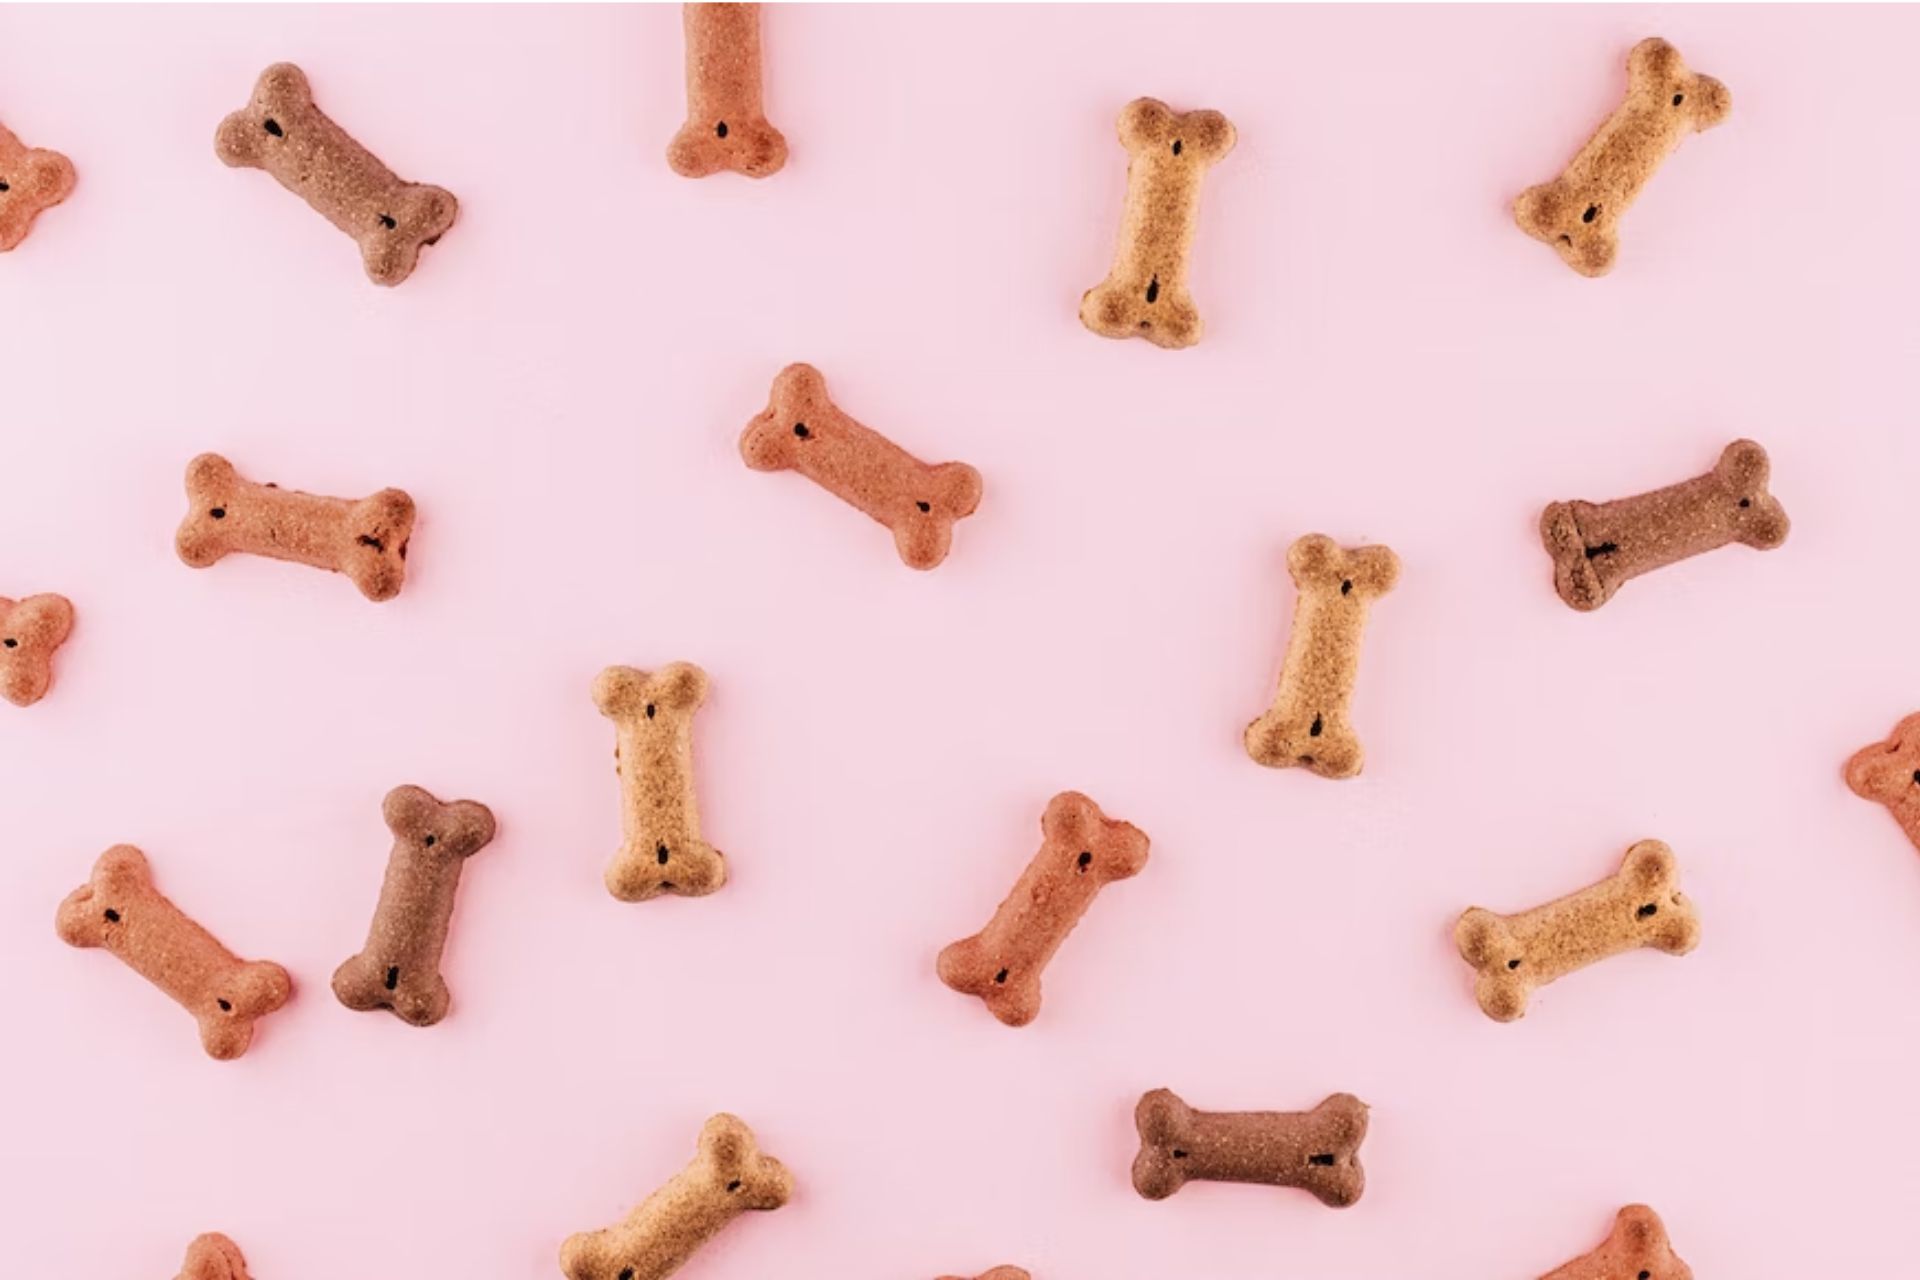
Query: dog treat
(30, 630)
(214, 1257)
(1639, 906)
(1307, 724)
(1081, 849)
(366, 540)
(1636, 1249)
(31, 179)
(1578, 213)
(1168, 154)
(661, 850)
(1597, 546)
(283, 132)
(119, 909)
(400, 967)
(998, 1273)
(728, 1176)
(1317, 1151)
(1889, 774)
(726, 124)
(802, 430)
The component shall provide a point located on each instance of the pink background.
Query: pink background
(560, 387)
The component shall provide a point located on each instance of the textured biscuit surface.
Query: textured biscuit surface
(30, 631)
(1308, 723)
(726, 126)
(119, 909)
(1639, 906)
(1317, 1151)
(283, 132)
(1636, 1249)
(1598, 546)
(31, 179)
(1578, 213)
(660, 850)
(728, 1176)
(1081, 850)
(1145, 294)
(802, 430)
(1888, 773)
(214, 1257)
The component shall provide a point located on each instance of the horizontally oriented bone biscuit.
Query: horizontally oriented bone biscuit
(802, 430)
(726, 124)
(1636, 1249)
(1888, 773)
(1081, 850)
(1639, 906)
(283, 132)
(1145, 295)
(364, 539)
(1578, 213)
(400, 967)
(214, 1257)
(31, 179)
(1317, 1151)
(661, 850)
(119, 909)
(727, 1177)
(1597, 546)
(30, 630)
(1307, 724)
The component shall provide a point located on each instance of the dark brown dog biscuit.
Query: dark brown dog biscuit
(727, 1177)
(726, 124)
(400, 967)
(214, 1257)
(1597, 546)
(1317, 1151)
(283, 132)
(1081, 850)
(802, 430)
(1888, 773)
(30, 630)
(661, 850)
(1168, 154)
(365, 539)
(31, 179)
(1578, 213)
(1636, 1249)
(119, 909)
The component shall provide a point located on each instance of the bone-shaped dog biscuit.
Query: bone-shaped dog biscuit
(119, 909)
(31, 179)
(365, 539)
(213, 1257)
(1889, 773)
(283, 132)
(802, 430)
(661, 850)
(30, 630)
(728, 1176)
(1639, 906)
(1168, 155)
(1598, 546)
(1636, 1249)
(1579, 212)
(1308, 724)
(1081, 850)
(726, 124)
(400, 967)
(1317, 1151)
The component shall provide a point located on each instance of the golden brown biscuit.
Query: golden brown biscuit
(1636, 1249)
(1317, 1151)
(214, 1257)
(661, 850)
(31, 179)
(726, 124)
(30, 630)
(1888, 773)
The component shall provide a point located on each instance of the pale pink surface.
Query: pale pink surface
(560, 388)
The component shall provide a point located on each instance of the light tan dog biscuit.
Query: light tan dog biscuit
(1889, 773)
(726, 124)
(1317, 1151)
(31, 179)
(214, 1257)
(1636, 1249)
(661, 850)
(30, 630)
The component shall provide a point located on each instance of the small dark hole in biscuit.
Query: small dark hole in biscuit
(12, 643)
(1176, 146)
(665, 885)
(1153, 290)
(800, 429)
(1605, 548)
(113, 917)
(1000, 977)
(1745, 503)
(735, 1184)
(430, 841)
(226, 1006)
(402, 553)
(924, 506)
(1178, 1154)
(218, 513)
(661, 855)
(1647, 910)
(1346, 586)
(1592, 212)
(4, 188)
(386, 220)
(1566, 239)
(1678, 98)
(1084, 861)
(650, 710)
(1916, 777)
(1321, 1158)
(1648, 1275)
(720, 130)
(393, 977)
(1513, 964)
(1306, 760)
(626, 1273)
(1146, 324)
(1313, 730)
(368, 540)
(273, 127)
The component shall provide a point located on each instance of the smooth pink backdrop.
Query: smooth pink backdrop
(560, 387)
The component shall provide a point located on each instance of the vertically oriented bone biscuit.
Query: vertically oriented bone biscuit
(728, 1176)
(1168, 154)
(661, 850)
(399, 969)
(30, 630)
(119, 909)
(1308, 725)
(1317, 1151)
(726, 124)
(366, 539)
(283, 132)
(802, 430)
(1578, 213)
(1636, 1249)
(31, 179)
(1888, 773)
(1638, 906)
(213, 1257)
(1598, 546)
(1081, 850)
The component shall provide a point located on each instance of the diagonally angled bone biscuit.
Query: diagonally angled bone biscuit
(1317, 1151)
(30, 631)
(1636, 1249)
(661, 850)
(1889, 773)
(32, 179)
(213, 1257)
(726, 124)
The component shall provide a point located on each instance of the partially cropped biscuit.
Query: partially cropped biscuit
(1636, 1249)
(726, 127)
(214, 1257)
(30, 631)
(32, 179)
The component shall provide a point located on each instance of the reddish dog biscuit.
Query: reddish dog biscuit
(1317, 1151)
(1168, 154)
(661, 850)
(366, 540)
(31, 179)
(1636, 1249)
(1597, 546)
(213, 1257)
(400, 967)
(1578, 213)
(1081, 850)
(1889, 774)
(1307, 724)
(119, 909)
(727, 1176)
(283, 132)
(726, 124)
(802, 430)
(30, 630)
